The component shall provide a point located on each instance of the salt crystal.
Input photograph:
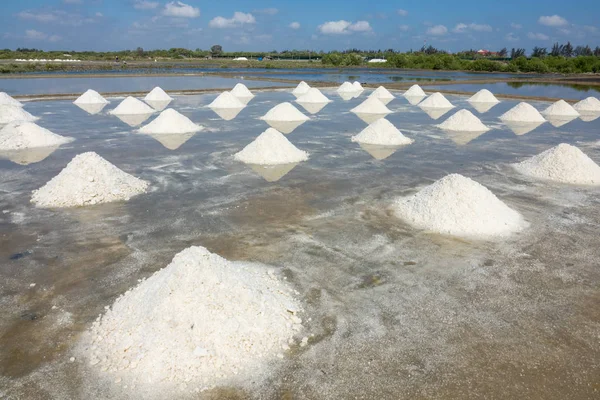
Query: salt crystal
(26, 135)
(6, 99)
(463, 121)
(271, 148)
(415, 91)
(382, 132)
(10, 114)
(522, 112)
(170, 122)
(436, 100)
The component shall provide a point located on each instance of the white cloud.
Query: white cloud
(32, 34)
(402, 13)
(267, 11)
(39, 17)
(238, 19)
(437, 30)
(591, 29)
(511, 37)
(565, 31)
(145, 5)
(73, 1)
(537, 36)
(553, 20)
(343, 27)
(179, 9)
(99, 15)
(516, 26)
(404, 28)
(462, 28)
(295, 25)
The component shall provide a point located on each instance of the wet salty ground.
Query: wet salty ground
(396, 313)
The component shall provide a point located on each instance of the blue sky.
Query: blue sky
(263, 25)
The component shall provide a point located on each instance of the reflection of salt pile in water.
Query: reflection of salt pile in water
(91, 102)
(589, 109)
(415, 91)
(196, 323)
(463, 127)
(377, 151)
(25, 135)
(301, 89)
(458, 206)
(88, 179)
(371, 110)
(313, 101)
(382, 132)
(242, 93)
(563, 163)
(560, 113)
(384, 95)
(522, 118)
(284, 117)
(132, 111)
(10, 114)
(270, 148)
(483, 101)
(6, 99)
(171, 121)
(28, 156)
(158, 99)
(227, 106)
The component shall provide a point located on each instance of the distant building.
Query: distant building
(486, 53)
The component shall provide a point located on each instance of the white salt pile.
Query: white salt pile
(6, 99)
(588, 105)
(271, 148)
(90, 97)
(563, 163)
(384, 95)
(463, 121)
(436, 100)
(26, 135)
(10, 114)
(483, 96)
(346, 87)
(522, 112)
(132, 106)
(357, 86)
(371, 110)
(301, 89)
(157, 94)
(226, 100)
(193, 325)
(284, 117)
(561, 109)
(88, 179)
(170, 122)
(382, 132)
(241, 92)
(313, 95)
(458, 206)
(415, 91)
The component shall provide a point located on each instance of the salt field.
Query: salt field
(361, 300)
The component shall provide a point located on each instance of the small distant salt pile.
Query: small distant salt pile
(271, 148)
(26, 135)
(170, 122)
(301, 89)
(436, 100)
(242, 93)
(415, 91)
(284, 117)
(589, 105)
(91, 97)
(463, 121)
(346, 87)
(10, 114)
(382, 132)
(458, 206)
(384, 95)
(357, 86)
(371, 110)
(88, 179)
(226, 100)
(561, 109)
(132, 106)
(6, 99)
(158, 99)
(522, 112)
(483, 96)
(313, 101)
(194, 324)
(563, 163)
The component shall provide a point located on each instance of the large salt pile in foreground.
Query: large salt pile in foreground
(242, 93)
(561, 109)
(132, 106)
(436, 100)
(371, 110)
(26, 135)
(384, 95)
(170, 122)
(88, 179)
(563, 163)
(415, 91)
(6, 99)
(483, 96)
(458, 206)
(382, 132)
(463, 121)
(588, 105)
(522, 112)
(284, 117)
(10, 114)
(91, 97)
(193, 325)
(271, 148)
(301, 89)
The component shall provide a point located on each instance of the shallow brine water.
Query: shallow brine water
(395, 312)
